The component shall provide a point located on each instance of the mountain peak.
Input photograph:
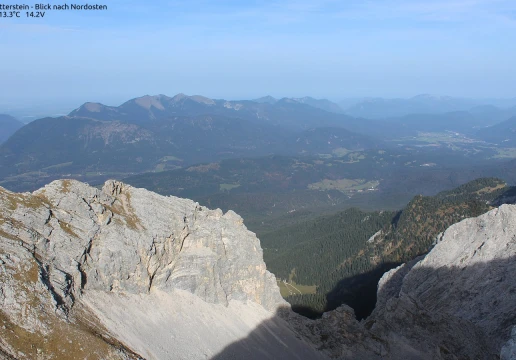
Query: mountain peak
(266, 99)
(197, 98)
(148, 101)
(94, 110)
(289, 100)
(92, 107)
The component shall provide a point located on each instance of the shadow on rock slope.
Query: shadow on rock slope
(421, 313)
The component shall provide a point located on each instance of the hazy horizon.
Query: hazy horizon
(234, 50)
(62, 106)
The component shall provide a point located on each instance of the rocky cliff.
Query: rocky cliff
(126, 273)
(123, 273)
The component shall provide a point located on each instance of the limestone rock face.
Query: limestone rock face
(457, 302)
(470, 273)
(132, 240)
(100, 257)
(466, 281)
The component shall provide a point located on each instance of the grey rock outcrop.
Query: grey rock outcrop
(457, 302)
(132, 240)
(73, 249)
(465, 282)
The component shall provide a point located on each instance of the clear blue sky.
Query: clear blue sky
(244, 49)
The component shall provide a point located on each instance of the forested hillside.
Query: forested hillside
(345, 254)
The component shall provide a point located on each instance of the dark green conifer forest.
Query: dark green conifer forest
(345, 254)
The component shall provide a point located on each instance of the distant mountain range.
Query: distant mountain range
(323, 104)
(8, 126)
(155, 133)
(377, 108)
(424, 104)
(292, 114)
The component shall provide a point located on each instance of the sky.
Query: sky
(233, 49)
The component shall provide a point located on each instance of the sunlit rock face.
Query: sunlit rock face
(143, 268)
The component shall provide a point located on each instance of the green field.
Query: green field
(228, 187)
(291, 288)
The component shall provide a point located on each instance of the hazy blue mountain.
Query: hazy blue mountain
(349, 102)
(266, 99)
(502, 134)
(156, 133)
(286, 113)
(457, 121)
(377, 108)
(491, 115)
(323, 104)
(79, 145)
(8, 126)
(503, 103)
(96, 111)
(463, 122)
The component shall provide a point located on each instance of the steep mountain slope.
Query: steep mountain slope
(464, 275)
(8, 126)
(122, 273)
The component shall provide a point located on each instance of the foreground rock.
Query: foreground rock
(123, 273)
(457, 302)
(126, 273)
